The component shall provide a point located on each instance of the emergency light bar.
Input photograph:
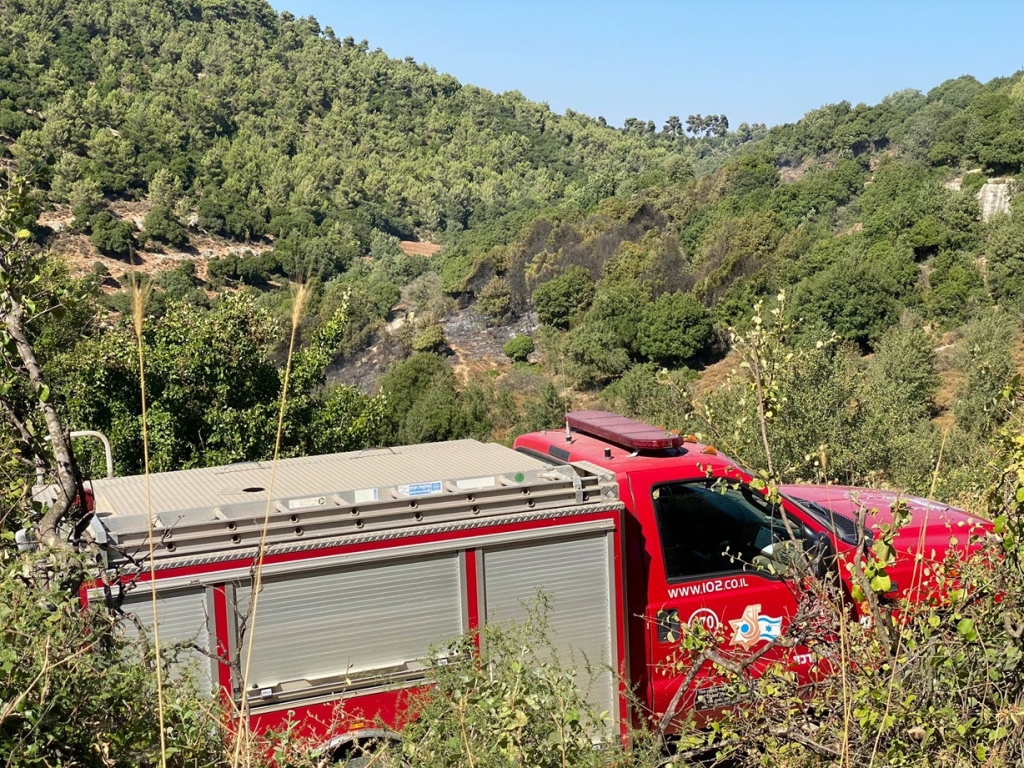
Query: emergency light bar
(627, 433)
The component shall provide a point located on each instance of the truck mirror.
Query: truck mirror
(822, 552)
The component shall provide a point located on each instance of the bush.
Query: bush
(676, 330)
(560, 299)
(255, 268)
(518, 349)
(160, 225)
(644, 393)
(592, 357)
(430, 339)
(74, 696)
(546, 410)
(223, 268)
(111, 236)
(495, 300)
(520, 705)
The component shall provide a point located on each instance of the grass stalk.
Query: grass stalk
(915, 574)
(140, 297)
(243, 735)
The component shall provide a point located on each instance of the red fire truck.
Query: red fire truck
(374, 557)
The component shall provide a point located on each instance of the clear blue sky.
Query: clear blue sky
(767, 62)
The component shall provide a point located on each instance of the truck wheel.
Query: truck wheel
(360, 753)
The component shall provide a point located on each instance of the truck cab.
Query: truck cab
(703, 546)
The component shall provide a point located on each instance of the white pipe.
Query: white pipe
(103, 439)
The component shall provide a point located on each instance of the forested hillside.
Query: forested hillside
(622, 256)
(215, 222)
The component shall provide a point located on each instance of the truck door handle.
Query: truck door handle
(668, 625)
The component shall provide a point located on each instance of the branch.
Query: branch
(865, 587)
(69, 482)
(762, 419)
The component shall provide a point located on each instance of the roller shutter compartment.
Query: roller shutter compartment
(351, 622)
(574, 575)
(184, 628)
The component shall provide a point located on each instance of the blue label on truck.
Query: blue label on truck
(420, 489)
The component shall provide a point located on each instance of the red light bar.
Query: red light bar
(628, 433)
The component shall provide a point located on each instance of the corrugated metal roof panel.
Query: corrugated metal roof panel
(306, 476)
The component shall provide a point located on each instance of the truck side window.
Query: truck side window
(714, 528)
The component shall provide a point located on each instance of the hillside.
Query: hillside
(223, 149)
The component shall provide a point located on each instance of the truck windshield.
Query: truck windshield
(715, 527)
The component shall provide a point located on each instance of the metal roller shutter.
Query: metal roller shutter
(574, 575)
(339, 623)
(183, 620)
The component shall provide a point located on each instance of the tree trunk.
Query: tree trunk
(68, 481)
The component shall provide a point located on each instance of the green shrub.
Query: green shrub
(74, 693)
(223, 268)
(495, 300)
(521, 704)
(592, 357)
(430, 339)
(560, 299)
(856, 298)
(518, 349)
(645, 393)
(546, 410)
(676, 330)
(111, 236)
(160, 225)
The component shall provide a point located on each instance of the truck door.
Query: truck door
(719, 555)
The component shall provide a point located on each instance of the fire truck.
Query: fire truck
(372, 558)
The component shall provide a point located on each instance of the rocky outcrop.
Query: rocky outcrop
(994, 197)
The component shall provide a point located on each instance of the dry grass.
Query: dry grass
(414, 248)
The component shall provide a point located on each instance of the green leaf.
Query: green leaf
(881, 583)
(966, 629)
(44, 393)
(23, 234)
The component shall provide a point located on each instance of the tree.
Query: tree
(591, 356)
(620, 307)
(86, 200)
(495, 300)
(985, 355)
(560, 299)
(673, 127)
(422, 400)
(111, 236)
(160, 225)
(213, 387)
(676, 330)
(856, 298)
(695, 124)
